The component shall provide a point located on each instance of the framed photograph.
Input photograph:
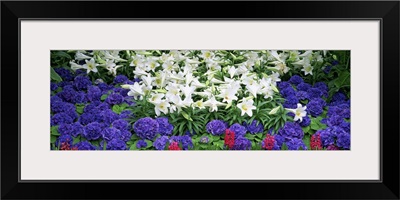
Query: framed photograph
(115, 97)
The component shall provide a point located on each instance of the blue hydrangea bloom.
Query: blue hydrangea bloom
(165, 128)
(105, 87)
(328, 137)
(238, 129)
(93, 93)
(108, 116)
(314, 93)
(160, 142)
(305, 122)
(253, 128)
(291, 130)
(116, 144)
(61, 118)
(296, 79)
(343, 140)
(146, 128)
(141, 144)
(114, 98)
(110, 133)
(64, 138)
(204, 140)
(80, 97)
(92, 131)
(301, 95)
(125, 135)
(315, 107)
(65, 74)
(53, 86)
(335, 120)
(283, 84)
(58, 106)
(120, 79)
(327, 69)
(77, 129)
(79, 72)
(120, 124)
(82, 82)
(338, 97)
(303, 87)
(62, 84)
(242, 143)
(296, 144)
(85, 145)
(323, 87)
(291, 102)
(126, 114)
(288, 91)
(68, 94)
(65, 129)
(216, 127)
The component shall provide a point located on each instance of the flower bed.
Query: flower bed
(200, 100)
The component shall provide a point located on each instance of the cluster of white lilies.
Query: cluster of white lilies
(172, 81)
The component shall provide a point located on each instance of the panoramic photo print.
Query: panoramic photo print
(227, 100)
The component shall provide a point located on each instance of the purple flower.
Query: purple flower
(110, 133)
(254, 127)
(303, 87)
(165, 128)
(306, 121)
(291, 102)
(327, 69)
(80, 97)
(61, 118)
(82, 82)
(92, 131)
(68, 94)
(291, 130)
(94, 93)
(65, 129)
(288, 91)
(242, 143)
(204, 140)
(60, 106)
(328, 136)
(77, 129)
(216, 127)
(146, 128)
(64, 138)
(314, 93)
(296, 144)
(322, 87)
(141, 144)
(79, 72)
(125, 135)
(338, 97)
(53, 86)
(114, 98)
(186, 142)
(104, 87)
(65, 74)
(116, 144)
(335, 62)
(160, 142)
(315, 107)
(126, 114)
(335, 120)
(301, 95)
(343, 140)
(238, 129)
(120, 124)
(85, 145)
(120, 79)
(283, 84)
(332, 147)
(108, 116)
(296, 79)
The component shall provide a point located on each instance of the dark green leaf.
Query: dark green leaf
(54, 75)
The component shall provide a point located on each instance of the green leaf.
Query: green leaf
(63, 54)
(186, 116)
(116, 109)
(133, 146)
(76, 140)
(79, 108)
(104, 97)
(343, 79)
(105, 145)
(54, 130)
(54, 75)
(53, 139)
(149, 143)
(284, 147)
(305, 129)
(306, 141)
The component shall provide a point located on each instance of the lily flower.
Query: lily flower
(90, 65)
(299, 112)
(246, 106)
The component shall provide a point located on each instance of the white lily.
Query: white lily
(156, 98)
(187, 90)
(80, 56)
(228, 95)
(254, 89)
(136, 90)
(274, 111)
(198, 104)
(152, 64)
(147, 80)
(307, 69)
(75, 66)
(246, 106)
(90, 65)
(162, 106)
(213, 104)
(299, 112)
(232, 71)
(113, 55)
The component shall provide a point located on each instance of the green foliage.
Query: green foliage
(54, 76)
(54, 131)
(119, 108)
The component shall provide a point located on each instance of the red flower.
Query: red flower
(65, 146)
(229, 138)
(174, 146)
(315, 142)
(269, 142)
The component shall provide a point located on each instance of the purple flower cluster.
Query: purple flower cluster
(238, 129)
(216, 127)
(242, 143)
(291, 134)
(146, 128)
(185, 141)
(254, 127)
(165, 128)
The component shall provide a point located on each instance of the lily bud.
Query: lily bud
(274, 111)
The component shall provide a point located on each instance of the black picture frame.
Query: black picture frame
(386, 11)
